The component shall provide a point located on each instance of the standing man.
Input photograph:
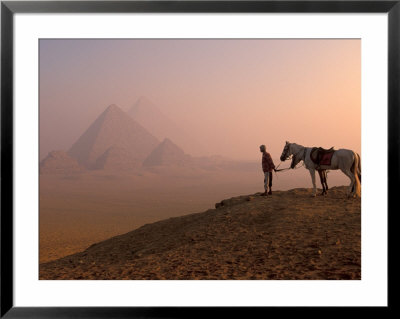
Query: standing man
(267, 166)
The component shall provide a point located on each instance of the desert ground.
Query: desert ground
(289, 235)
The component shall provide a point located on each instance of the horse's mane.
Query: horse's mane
(297, 144)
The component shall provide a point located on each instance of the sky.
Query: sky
(232, 95)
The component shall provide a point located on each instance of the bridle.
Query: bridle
(285, 151)
(292, 156)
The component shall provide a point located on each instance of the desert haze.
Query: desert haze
(149, 155)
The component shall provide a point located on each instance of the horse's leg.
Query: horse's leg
(321, 178)
(312, 173)
(325, 181)
(350, 175)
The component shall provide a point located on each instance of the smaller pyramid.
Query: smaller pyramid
(167, 153)
(117, 158)
(59, 162)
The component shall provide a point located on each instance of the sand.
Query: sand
(289, 235)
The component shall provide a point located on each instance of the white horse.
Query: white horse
(346, 160)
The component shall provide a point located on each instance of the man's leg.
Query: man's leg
(270, 183)
(266, 183)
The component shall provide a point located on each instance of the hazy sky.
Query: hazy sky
(232, 95)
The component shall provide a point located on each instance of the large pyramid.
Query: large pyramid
(113, 128)
(161, 126)
(117, 158)
(167, 153)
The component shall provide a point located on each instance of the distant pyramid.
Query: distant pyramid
(149, 116)
(157, 123)
(167, 153)
(59, 162)
(113, 128)
(117, 158)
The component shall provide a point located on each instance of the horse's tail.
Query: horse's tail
(356, 169)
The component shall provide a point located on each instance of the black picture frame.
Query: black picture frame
(9, 8)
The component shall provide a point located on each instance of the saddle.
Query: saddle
(321, 156)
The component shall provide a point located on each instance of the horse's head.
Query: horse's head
(286, 152)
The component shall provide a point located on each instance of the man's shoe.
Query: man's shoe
(264, 194)
(270, 192)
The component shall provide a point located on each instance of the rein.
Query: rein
(285, 169)
(282, 169)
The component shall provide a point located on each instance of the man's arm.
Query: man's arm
(271, 162)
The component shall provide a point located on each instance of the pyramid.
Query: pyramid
(113, 128)
(167, 153)
(117, 158)
(149, 116)
(59, 162)
(161, 126)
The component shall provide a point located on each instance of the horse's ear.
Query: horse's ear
(287, 142)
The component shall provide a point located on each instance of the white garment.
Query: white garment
(266, 180)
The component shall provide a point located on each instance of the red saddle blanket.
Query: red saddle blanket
(326, 159)
(322, 156)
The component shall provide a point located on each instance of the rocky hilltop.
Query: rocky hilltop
(288, 235)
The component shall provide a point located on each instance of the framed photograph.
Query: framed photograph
(173, 158)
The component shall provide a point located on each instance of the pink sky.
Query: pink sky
(232, 95)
